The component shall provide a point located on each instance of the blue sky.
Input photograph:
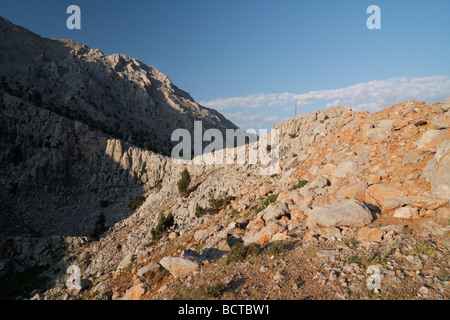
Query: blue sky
(251, 59)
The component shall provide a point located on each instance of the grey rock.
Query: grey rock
(319, 182)
(274, 211)
(437, 171)
(201, 235)
(382, 131)
(345, 169)
(327, 253)
(347, 213)
(149, 270)
(406, 212)
(430, 137)
(178, 266)
(126, 261)
(393, 203)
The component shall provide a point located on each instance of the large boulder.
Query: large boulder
(431, 139)
(350, 213)
(135, 292)
(437, 171)
(382, 193)
(183, 265)
(274, 211)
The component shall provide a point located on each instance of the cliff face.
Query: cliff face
(61, 105)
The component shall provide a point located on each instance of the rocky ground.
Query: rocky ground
(360, 210)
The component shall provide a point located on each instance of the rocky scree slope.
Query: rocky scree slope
(355, 189)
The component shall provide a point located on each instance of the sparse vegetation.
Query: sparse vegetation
(146, 145)
(157, 185)
(213, 291)
(137, 202)
(99, 226)
(200, 211)
(264, 203)
(215, 205)
(184, 182)
(299, 184)
(240, 252)
(276, 249)
(22, 283)
(376, 257)
(424, 247)
(164, 223)
(354, 259)
(352, 242)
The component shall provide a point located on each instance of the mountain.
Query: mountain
(60, 104)
(358, 209)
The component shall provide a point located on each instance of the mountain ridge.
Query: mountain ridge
(354, 192)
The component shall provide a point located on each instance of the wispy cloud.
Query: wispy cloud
(372, 95)
(256, 121)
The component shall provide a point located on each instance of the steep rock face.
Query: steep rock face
(65, 112)
(121, 96)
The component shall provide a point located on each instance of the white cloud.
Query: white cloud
(372, 95)
(256, 122)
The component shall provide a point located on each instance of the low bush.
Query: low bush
(184, 182)
(300, 184)
(164, 223)
(240, 252)
(137, 202)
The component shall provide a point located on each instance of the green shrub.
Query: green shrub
(215, 205)
(164, 223)
(213, 291)
(146, 145)
(99, 226)
(275, 249)
(300, 184)
(424, 247)
(240, 252)
(157, 185)
(264, 203)
(270, 199)
(353, 259)
(218, 204)
(200, 211)
(184, 182)
(137, 202)
(326, 117)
